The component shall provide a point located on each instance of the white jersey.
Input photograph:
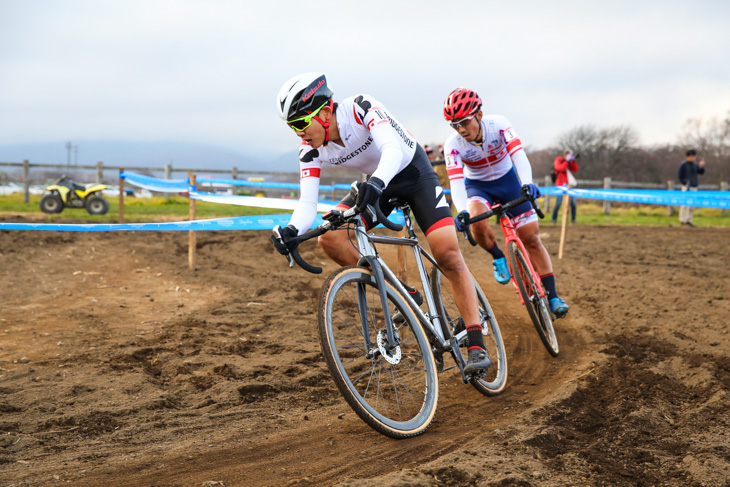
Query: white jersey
(375, 143)
(500, 150)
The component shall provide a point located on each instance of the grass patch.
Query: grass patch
(153, 209)
(590, 212)
(176, 208)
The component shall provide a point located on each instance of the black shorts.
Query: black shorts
(419, 186)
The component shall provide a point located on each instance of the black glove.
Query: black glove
(532, 190)
(286, 241)
(368, 193)
(462, 221)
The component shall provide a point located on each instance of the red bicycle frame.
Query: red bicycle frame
(510, 235)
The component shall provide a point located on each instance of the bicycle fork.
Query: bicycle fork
(370, 260)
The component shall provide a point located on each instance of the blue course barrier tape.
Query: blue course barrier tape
(703, 199)
(706, 199)
(259, 202)
(156, 184)
(252, 222)
(202, 180)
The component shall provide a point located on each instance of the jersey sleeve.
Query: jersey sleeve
(516, 151)
(455, 171)
(309, 172)
(372, 115)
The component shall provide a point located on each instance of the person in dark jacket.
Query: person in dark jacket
(688, 172)
(561, 166)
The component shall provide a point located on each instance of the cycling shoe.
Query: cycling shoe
(501, 270)
(558, 307)
(478, 361)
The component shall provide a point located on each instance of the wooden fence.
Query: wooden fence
(234, 173)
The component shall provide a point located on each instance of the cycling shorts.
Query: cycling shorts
(502, 190)
(419, 186)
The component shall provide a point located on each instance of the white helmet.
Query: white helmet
(302, 94)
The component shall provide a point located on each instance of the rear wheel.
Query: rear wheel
(51, 203)
(495, 379)
(393, 388)
(537, 305)
(97, 205)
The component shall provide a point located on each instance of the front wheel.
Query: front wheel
(393, 387)
(536, 304)
(495, 379)
(51, 203)
(97, 205)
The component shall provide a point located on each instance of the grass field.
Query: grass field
(135, 209)
(176, 208)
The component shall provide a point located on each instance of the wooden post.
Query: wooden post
(26, 181)
(670, 187)
(548, 183)
(234, 172)
(606, 203)
(191, 234)
(566, 204)
(99, 172)
(168, 171)
(723, 187)
(121, 195)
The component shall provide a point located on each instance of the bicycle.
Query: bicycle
(525, 280)
(383, 351)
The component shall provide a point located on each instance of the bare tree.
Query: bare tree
(603, 152)
(711, 139)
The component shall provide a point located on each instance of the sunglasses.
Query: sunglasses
(455, 124)
(301, 124)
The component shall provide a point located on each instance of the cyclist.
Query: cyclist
(486, 164)
(360, 133)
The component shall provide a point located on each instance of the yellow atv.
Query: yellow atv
(65, 193)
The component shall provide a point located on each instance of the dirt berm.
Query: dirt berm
(120, 367)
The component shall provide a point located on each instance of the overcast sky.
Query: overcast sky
(209, 71)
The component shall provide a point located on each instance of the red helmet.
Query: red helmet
(461, 103)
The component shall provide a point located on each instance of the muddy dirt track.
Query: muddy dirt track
(119, 367)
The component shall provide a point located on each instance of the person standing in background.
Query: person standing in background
(561, 166)
(688, 172)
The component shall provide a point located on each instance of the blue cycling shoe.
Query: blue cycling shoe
(501, 271)
(558, 307)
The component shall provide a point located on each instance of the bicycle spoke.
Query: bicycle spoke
(393, 386)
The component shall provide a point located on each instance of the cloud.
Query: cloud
(208, 72)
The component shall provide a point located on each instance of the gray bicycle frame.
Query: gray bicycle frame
(429, 320)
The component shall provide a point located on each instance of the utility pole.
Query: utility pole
(69, 145)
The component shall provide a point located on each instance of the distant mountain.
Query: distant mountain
(147, 154)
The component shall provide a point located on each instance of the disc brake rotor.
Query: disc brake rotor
(394, 356)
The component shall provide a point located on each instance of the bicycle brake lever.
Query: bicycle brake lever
(281, 241)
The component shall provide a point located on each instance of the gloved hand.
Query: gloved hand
(286, 241)
(368, 193)
(570, 157)
(532, 190)
(461, 220)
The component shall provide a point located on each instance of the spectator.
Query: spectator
(688, 173)
(563, 166)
